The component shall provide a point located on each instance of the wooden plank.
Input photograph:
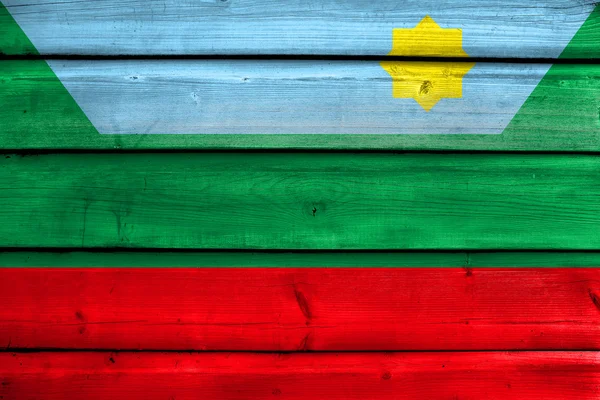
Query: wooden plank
(300, 309)
(243, 259)
(90, 376)
(300, 201)
(211, 104)
(170, 27)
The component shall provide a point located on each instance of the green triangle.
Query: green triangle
(13, 40)
(568, 97)
(34, 101)
(36, 104)
(586, 42)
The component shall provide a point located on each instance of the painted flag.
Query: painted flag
(272, 262)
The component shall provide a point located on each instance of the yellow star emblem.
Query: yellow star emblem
(427, 82)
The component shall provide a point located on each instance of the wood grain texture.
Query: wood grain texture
(300, 201)
(244, 259)
(324, 27)
(300, 309)
(501, 376)
(289, 104)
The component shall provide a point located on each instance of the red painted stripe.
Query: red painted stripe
(130, 376)
(275, 309)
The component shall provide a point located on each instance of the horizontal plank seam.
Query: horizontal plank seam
(196, 351)
(28, 152)
(465, 251)
(301, 57)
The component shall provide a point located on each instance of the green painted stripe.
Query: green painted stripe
(313, 259)
(301, 201)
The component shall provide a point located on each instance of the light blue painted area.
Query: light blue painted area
(284, 97)
(491, 28)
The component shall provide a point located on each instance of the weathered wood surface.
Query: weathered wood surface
(148, 376)
(313, 201)
(243, 259)
(325, 27)
(301, 201)
(300, 309)
(292, 104)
